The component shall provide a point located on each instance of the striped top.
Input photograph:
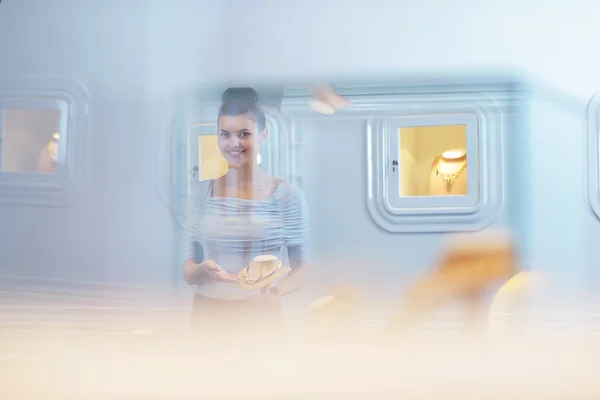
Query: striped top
(233, 231)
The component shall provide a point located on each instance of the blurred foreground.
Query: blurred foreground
(473, 326)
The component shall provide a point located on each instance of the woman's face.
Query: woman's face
(239, 140)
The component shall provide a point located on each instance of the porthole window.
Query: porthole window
(43, 131)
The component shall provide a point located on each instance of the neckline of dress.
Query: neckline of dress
(271, 197)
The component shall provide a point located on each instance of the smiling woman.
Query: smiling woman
(239, 217)
(240, 116)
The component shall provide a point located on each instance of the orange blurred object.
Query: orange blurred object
(467, 270)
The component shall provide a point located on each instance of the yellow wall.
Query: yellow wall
(212, 162)
(418, 148)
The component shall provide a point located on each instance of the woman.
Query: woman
(241, 215)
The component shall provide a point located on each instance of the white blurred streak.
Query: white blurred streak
(428, 362)
(123, 343)
(325, 100)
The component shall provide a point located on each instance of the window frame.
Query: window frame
(422, 204)
(71, 99)
(593, 138)
(379, 103)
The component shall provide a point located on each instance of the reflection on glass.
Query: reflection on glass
(326, 101)
(30, 141)
(433, 161)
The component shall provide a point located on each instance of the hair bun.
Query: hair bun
(247, 95)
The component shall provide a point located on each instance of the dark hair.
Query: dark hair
(240, 101)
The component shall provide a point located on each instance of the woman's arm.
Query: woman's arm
(297, 225)
(192, 272)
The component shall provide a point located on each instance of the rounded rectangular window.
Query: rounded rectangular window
(438, 170)
(43, 141)
(434, 151)
(433, 161)
(31, 133)
(30, 140)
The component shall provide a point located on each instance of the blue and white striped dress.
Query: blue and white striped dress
(233, 231)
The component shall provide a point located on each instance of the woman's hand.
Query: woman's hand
(216, 272)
